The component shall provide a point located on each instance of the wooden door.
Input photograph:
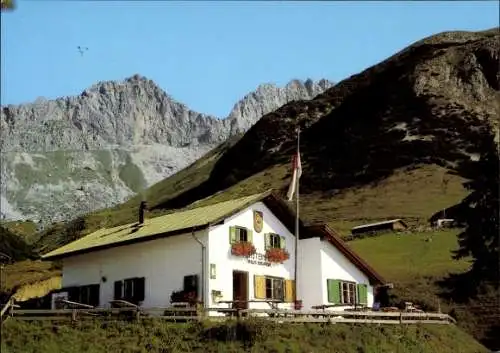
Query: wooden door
(240, 289)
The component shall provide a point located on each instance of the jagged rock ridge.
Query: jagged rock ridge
(72, 155)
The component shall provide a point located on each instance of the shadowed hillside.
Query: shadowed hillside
(428, 105)
(13, 246)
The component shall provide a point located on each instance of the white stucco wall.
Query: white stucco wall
(163, 262)
(309, 287)
(334, 265)
(220, 254)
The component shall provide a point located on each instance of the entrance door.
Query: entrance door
(240, 289)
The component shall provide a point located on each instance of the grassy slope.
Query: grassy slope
(417, 263)
(155, 336)
(28, 272)
(402, 257)
(24, 229)
(414, 263)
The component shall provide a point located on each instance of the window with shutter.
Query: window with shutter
(88, 294)
(345, 292)
(348, 293)
(275, 288)
(128, 289)
(241, 234)
(274, 240)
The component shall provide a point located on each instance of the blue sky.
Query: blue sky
(210, 54)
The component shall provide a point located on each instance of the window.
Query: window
(130, 289)
(274, 288)
(88, 294)
(241, 234)
(275, 241)
(348, 293)
(345, 292)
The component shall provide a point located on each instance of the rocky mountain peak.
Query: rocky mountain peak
(269, 97)
(71, 155)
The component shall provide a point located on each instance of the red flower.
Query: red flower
(277, 255)
(243, 249)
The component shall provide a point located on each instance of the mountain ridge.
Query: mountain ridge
(75, 154)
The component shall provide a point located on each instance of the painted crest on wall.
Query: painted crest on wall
(258, 221)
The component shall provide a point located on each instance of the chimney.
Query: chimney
(142, 207)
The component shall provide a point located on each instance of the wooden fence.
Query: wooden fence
(192, 314)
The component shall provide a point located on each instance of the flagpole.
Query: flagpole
(297, 222)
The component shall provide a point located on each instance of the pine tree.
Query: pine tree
(480, 238)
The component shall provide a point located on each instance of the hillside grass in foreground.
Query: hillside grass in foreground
(250, 336)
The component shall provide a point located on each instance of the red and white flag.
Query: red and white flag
(297, 172)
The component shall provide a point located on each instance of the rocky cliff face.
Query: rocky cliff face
(268, 98)
(72, 155)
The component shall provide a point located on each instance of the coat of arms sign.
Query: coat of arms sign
(258, 221)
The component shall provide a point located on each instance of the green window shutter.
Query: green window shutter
(140, 289)
(333, 287)
(282, 242)
(232, 235)
(267, 241)
(118, 290)
(362, 293)
(250, 235)
(94, 294)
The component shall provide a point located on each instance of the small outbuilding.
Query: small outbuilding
(394, 225)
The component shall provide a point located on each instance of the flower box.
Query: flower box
(243, 248)
(182, 296)
(277, 255)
